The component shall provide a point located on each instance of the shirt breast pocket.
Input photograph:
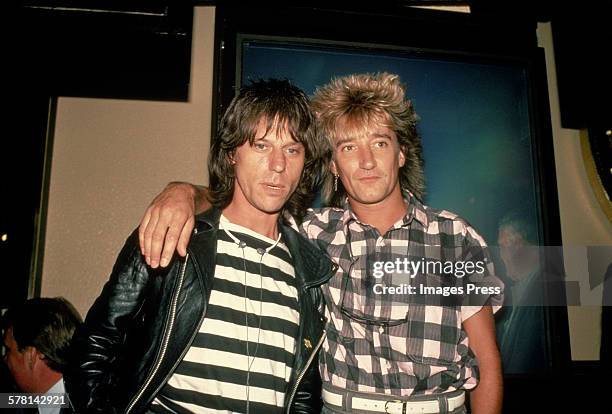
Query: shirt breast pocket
(433, 332)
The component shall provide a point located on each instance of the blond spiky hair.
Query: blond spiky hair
(350, 105)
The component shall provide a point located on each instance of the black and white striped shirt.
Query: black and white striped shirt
(229, 363)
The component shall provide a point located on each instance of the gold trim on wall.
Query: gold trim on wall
(589, 163)
(40, 225)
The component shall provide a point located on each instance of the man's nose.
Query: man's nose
(278, 162)
(366, 159)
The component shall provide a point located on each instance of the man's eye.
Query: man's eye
(293, 151)
(348, 148)
(259, 146)
(381, 144)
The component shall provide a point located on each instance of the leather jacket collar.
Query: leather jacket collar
(202, 248)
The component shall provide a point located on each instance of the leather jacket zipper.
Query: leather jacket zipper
(180, 358)
(299, 377)
(165, 339)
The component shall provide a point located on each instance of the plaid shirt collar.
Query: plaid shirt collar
(416, 210)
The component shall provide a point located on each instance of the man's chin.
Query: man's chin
(368, 198)
(272, 208)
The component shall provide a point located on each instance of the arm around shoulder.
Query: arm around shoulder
(169, 220)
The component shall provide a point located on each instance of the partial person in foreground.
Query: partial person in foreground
(383, 352)
(37, 336)
(236, 324)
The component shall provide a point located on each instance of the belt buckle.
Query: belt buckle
(395, 401)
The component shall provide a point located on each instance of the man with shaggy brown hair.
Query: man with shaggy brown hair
(237, 324)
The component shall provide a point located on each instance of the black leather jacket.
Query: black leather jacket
(143, 323)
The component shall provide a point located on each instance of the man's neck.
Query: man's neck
(525, 264)
(381, 215)
(260, 222)
(46, 380)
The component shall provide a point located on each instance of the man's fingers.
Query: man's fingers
(172, 237)
(141, 231)
(185, 236)
(148, 233)
(167, 224)
(157, 237)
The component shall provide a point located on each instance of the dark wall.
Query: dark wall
(582, 39)
(581, 34)
(109, 49)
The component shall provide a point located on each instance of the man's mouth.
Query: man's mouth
(272, 186)
(369, 178)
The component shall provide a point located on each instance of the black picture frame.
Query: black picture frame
(420, 34)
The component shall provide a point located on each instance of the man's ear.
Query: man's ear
(31, 356)
(232, 157)
(401, 157)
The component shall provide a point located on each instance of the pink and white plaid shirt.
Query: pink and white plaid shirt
(398, 344)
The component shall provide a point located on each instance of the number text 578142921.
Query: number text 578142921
(30, 400)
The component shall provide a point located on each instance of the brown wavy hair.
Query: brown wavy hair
(349, 105)
(281, 105)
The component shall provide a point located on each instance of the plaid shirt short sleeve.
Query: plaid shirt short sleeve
(391, 327)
